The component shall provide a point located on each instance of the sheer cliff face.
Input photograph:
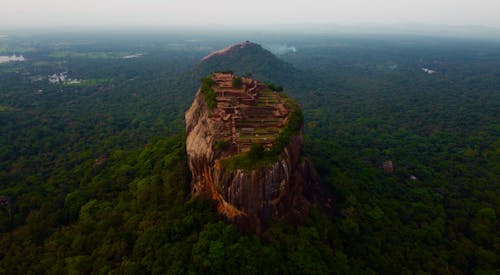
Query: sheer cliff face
(250, 198)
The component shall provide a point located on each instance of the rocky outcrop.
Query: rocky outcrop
(250, 198)
(251, 58)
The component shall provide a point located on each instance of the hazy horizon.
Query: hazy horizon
(244, 14)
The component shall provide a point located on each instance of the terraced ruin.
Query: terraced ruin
(248, 112)
(244, 144)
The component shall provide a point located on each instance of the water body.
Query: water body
(12, 58)
(137, 55)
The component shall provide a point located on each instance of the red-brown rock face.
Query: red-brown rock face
(250, 198)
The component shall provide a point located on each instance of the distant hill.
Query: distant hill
(251, 59)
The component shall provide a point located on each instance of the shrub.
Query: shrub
(208, 92)
(275, 88)
(221, 144)
(237, 82)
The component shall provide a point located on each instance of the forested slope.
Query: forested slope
(93, 175)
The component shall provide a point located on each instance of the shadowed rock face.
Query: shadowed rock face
(250, 198)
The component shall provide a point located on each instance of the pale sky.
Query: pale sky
(111, 13)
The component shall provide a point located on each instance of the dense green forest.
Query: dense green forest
(93, 174)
